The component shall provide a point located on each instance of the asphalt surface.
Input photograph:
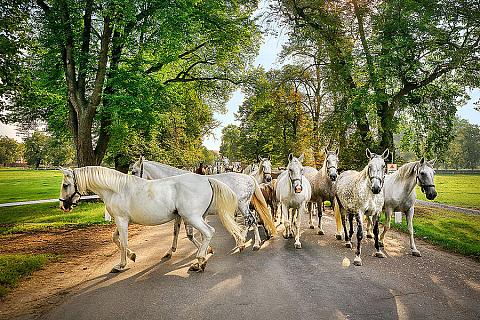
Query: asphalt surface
(278, 282)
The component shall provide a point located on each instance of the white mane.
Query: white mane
(88, 178)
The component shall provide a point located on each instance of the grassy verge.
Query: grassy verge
(453, 231)
(457, 190)
(47, 215)
(25, 184)
(14, 267)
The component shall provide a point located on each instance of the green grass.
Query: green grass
(14, 267)
(453, 231)
(24, 184)
(48, 215)
(458, 190)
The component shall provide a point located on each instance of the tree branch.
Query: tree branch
(85, 49)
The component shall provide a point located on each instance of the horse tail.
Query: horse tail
(338, 217)
(225, 201)
(261, 207)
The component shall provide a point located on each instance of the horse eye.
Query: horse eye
(65, 185)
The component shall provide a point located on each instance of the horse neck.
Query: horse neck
(363, 177)
(100, 180)
(406, 176)
(159, 170)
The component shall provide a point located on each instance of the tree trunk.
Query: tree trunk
(386, 114)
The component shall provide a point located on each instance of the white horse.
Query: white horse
(130, 199)
(400, 195)
(264, 172)
(322, 183)
(244, 186)
(250, 168)
(359, 194)
(293, 192)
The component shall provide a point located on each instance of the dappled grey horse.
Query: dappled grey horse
(293, 191)
(322, 182)
(244, 186)
(358, 194)
(400, 195)
(264, 172)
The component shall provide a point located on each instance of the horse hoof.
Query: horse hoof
(357, 262)
(117, 269)
(168, 255)
(348, 245)
(338, 236)
(195, 267)
(321, 232)
(312, 227)
(133, 256)
(298, 245)
(241, 248)
(256, 248)
(380, 254)
(369, 236)
(416, 253)
(210, 250)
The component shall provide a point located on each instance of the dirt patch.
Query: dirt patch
(80, 250)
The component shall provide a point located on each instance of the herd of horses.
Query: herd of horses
(156, 193)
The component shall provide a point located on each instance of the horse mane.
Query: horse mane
(405, 171)
(96, 176)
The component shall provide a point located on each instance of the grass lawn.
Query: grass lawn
(47, 215)
(24, 184)
(453, 231)
(458, 190)
(13, 267)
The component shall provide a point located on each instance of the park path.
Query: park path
(448, 207)
(277, 282)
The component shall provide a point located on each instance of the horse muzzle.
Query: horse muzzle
(333, 176)
(376, 189)
(267, 178)
(431, 194)
(298, 189)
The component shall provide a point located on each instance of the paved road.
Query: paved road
(448, 207)
(279, 282)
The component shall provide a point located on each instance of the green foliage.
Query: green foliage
(10, 150)
(464, 150)
(14, 267)
(43, 149)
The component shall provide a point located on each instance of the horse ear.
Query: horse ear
(368, 153)
(422, 161)
(290, 157)
(269, 157)
(385, 154)
(337, 151)
(301, 158)
(325, 150)
(66, 172)
(259, 158)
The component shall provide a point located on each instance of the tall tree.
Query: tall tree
(92, 54)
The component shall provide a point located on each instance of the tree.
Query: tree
(97, 62)
(36, 148)
(9, 150)
(388, 59)
(464, 150)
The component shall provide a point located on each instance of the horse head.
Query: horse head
(376, 169)
(265, 166)
(425, 175)
(331, 164)
(295, 172)
(137, 167)
(69, 194)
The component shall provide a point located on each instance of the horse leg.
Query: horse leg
(298, 221)
(130, 254)
(122, 227)
(348, 243)
(191, 237)
(176, 231)
(256, 245)
(386, 226)
(338, 220)
(350, 221)
(378, 253)
(320, 214)
(310, 211)
(286, 220)
(413, 248)
(358, 261)
(369, 227)
(207, 232)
